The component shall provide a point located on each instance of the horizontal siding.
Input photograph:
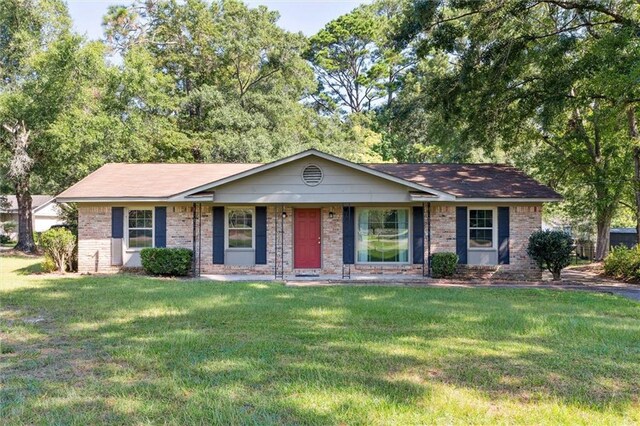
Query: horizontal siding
(284, 185)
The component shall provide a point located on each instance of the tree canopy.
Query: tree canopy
(551, 86)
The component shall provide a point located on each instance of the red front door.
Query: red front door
(306, 238)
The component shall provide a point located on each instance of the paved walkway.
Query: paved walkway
(580, 279)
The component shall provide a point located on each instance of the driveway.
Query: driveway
(589, 278)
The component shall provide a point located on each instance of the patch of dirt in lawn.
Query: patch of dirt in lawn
(596, 268)
(592, 273)
(11, 252)
(34, 349)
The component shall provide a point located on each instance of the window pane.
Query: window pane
(139, 238)
(481, 228)
(383, 235)
(481, 218)
(132, 218)
(481, 238)
(240, 238)
(240, 219)
(140, 219)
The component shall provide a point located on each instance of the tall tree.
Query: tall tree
(44, 69)
(544, 77)
(235, 78)
(355, 60)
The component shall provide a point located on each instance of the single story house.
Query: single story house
(44, 211)
(310, 214)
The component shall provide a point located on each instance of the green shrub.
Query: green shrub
(623, 263)
(443, 264)
(58, 244)
(551, 250)
(48, 265)
(10, 226)
(5, 239)
(36, 239)
(166, 261)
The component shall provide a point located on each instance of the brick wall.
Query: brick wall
(94, 239)
(523, 221)
(94, 229)
(443, 228)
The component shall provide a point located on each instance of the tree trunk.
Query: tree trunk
(20, 165)
(555, 275)
(635, 140)
(603, 223)
(26, 243)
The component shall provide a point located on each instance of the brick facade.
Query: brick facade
(94, 239)
(94, 229)
(523, 221)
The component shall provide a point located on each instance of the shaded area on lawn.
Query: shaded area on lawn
(129, 348)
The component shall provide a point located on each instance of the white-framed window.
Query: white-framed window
(140, 228)
(482, 228)
(382, 235)
(240, 227)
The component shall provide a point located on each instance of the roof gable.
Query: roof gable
(310, 154)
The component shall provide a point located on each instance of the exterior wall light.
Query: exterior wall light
(331, 214)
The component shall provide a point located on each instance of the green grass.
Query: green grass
(135, 350)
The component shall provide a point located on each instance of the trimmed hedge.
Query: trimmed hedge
(166, 261)
(443, 264)
(551, 250)
(623, 263)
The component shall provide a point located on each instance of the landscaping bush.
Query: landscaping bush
(443, 264)
(166, 261)
(5, 239)
(623, 263)
(9, 227)
(551, 250)
(58, 244)
(48, 265)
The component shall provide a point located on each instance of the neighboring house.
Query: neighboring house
(623, 237)
(310, 213)
(44, 210)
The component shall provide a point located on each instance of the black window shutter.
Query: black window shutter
(503, 235)
(461, 234)
(261, 235)
(117, 222)
(348, 235)
(418, 235)
(160, 225)
(218, 235)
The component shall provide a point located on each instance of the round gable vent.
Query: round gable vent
(312, 175)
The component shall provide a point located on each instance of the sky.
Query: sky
(307, 16)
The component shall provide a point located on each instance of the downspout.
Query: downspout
(275, 243)
(429, 239)
(199, 238)
(424, 239)
(193, 239)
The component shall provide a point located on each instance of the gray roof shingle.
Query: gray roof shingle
(36, 201)
(165, 180)
(470, 180)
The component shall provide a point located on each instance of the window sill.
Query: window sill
(481, 249)
(135, 250)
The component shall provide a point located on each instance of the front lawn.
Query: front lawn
(128, 349)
